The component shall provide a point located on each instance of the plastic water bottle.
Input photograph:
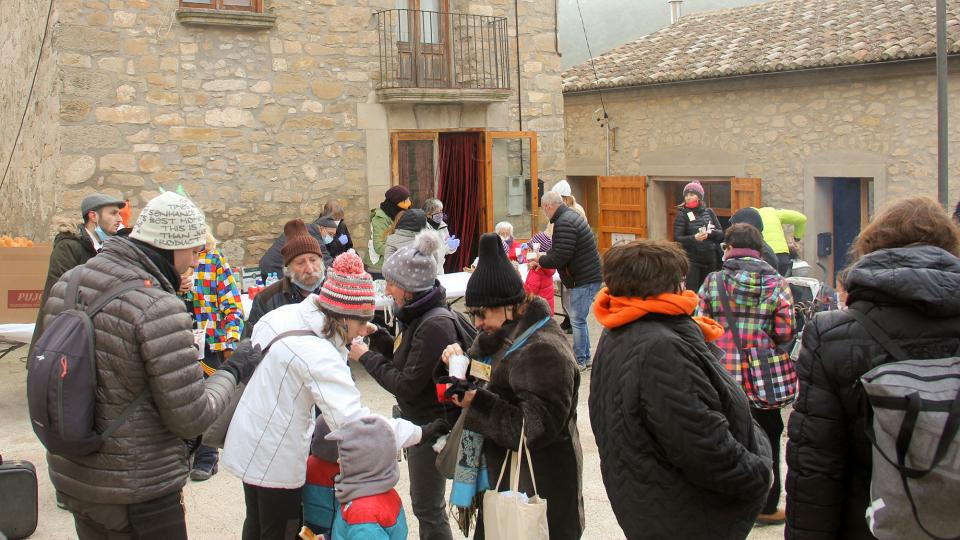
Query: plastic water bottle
(271, 279)
(260, 282)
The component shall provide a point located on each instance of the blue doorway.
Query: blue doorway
(851, 211)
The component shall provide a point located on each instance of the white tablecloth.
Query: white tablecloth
(455, 284)
(16, 333)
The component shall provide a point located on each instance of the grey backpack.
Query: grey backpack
(913, 425)
(62, 374)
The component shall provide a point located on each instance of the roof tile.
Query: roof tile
(775, 36)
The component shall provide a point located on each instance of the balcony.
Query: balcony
(433, 57)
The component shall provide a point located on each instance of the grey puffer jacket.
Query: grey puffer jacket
(143, 341)
(397, 240)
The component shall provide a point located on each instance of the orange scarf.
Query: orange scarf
(616, 311)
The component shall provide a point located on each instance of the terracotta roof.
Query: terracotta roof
(781, 35)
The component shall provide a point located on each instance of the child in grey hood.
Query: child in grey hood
(369, 506)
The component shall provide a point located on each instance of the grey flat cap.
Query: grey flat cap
(327, 221)
(98, 201)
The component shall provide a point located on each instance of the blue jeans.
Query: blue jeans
(581, 301)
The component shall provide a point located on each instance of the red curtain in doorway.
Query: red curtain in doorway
(459, 173)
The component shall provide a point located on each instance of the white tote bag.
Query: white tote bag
(506, 516)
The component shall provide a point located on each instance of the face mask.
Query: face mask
(327, 239)
(318, 276)
(438, 218)
(101, 234)
(692, 204)
(337, 221)
(405, 204)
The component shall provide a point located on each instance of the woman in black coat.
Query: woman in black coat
(680, 454)
(906, 280)
(698, 230)
(534, 387)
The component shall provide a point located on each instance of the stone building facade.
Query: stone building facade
(260, 117)
(806, 130)
(28, 189)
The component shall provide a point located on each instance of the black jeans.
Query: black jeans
(272, 514)
(771, 422)
(696, 273)
(784, 264)
(158, 519)
(427, 488)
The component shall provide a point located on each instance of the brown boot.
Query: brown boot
(775, 518)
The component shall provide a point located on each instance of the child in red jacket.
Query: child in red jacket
(319, 501)
(540, 281)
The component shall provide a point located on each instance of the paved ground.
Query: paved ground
(215, 508)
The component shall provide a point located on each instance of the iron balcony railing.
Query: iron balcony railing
(428, 49)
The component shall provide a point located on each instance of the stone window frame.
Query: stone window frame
(256, 6)
(198, 14)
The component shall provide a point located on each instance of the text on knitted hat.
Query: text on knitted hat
(170, 221)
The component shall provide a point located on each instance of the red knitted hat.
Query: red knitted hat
(348, 289)
(299, 241)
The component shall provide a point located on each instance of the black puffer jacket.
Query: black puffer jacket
(272, 260)
(574, 253)
(912, 294)
(680, 454)
(684, 229)
(535, 387)
(412, 373)
(143, 341)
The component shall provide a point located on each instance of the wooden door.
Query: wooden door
(414, 160)
(623, 209)
(510, 181)
(423, 44)
(744, 193)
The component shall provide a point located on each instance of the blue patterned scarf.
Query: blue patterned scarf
(470, 479)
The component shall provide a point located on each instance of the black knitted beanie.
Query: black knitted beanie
(495, 282)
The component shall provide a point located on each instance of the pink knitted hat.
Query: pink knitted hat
(348, 289)
(695, 187)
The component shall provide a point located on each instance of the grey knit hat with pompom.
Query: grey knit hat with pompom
(414, 267)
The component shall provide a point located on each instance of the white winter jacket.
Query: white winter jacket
(269, 437)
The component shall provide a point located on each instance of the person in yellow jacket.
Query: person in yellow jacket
(773, 221)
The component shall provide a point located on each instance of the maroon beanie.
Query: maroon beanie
(397, 194)
(299, 241)
(694, 187)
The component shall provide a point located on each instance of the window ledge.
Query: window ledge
(218, 17)
(443, 95)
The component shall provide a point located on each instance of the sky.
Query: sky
(610, 23)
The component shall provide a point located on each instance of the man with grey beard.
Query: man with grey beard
(303, 273)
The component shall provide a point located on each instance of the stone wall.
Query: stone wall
(28, 192)
(259, 126)
(784, 129)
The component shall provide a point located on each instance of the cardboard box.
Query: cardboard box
(22, 275)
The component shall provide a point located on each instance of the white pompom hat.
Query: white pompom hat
(561, 188)
(414, 266)
(171, 221)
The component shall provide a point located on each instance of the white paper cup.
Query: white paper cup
(458, 366)
(535, 246)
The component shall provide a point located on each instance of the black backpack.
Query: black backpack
(466, 332)
(62, 374)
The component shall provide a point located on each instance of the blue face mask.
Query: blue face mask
(101, 234)
(327, 239)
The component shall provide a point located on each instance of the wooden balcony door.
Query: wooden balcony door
(623, 209)
(423, 44)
